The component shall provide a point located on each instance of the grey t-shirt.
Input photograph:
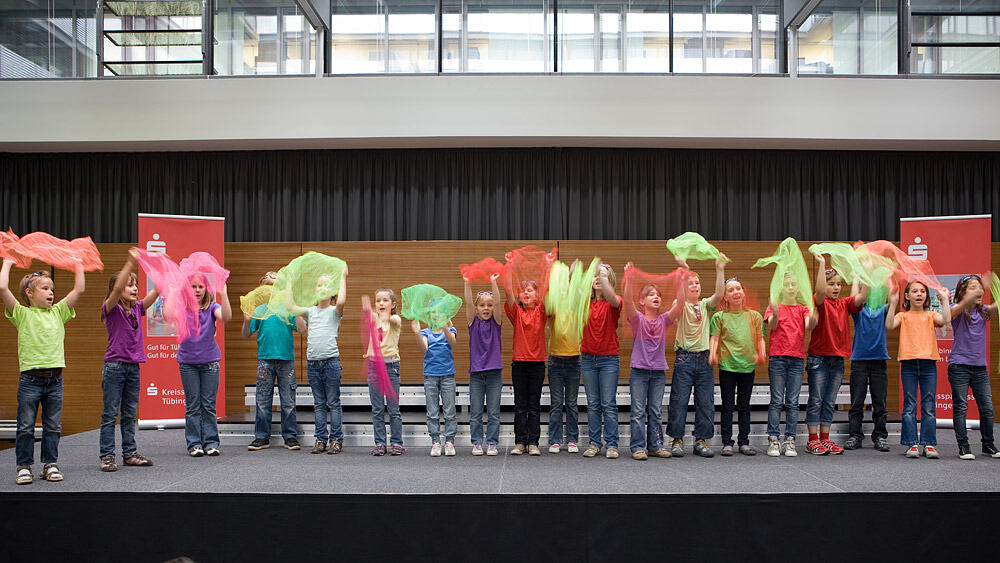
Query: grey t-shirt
(323, 326)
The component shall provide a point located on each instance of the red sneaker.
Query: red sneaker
(816, 447)
(833, 448)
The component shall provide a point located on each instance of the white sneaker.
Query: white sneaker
(572, 448)
(931, 452)
(449, 449)
(554, 449)
(773, 447)
(491, 449)
(789, 444)
(436, 449)
(477, 449)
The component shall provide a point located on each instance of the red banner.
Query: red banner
(955, 246)
(161, 395)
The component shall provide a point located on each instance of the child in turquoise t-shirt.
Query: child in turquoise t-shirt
(40, 351)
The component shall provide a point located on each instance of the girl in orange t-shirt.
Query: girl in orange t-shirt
(918, 357)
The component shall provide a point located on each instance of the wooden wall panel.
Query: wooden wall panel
(397, 264)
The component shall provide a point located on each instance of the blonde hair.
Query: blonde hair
(29, 281)
(480, 295)
(206, 298)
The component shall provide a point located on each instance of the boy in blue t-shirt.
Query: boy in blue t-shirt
(439, 384)
(275, 362)
(868, 372)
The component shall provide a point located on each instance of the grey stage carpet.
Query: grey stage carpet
(277, 470)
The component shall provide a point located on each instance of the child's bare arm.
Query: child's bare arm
(9, 301)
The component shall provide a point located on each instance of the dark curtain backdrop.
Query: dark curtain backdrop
(499, 193)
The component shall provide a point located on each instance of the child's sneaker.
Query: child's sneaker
(491, 449)
(24, 476)
(931, 452)
(572, 448)
(533, 450)
(51, 473)
(292, 443)
(335, 447)
(677, 448)
(397, 449)
(990, 450)
(378, 450)
(816, 447)
(449, 449)
(592, 450)
(773, 447)
(518, 449)
(612, 453)
(789, 445)
(832, 447)
(965, 452)
(477, 449)
(139, 460)
(258, 444)
(554, 448)
(108, 463)
(660, 452)
(913, 452)
(436, 449)
(211, 452)
(319, 446)
(196, 451)
(639, 455)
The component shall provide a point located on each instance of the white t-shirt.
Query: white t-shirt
(323, 326)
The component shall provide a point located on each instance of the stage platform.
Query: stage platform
(281, 505)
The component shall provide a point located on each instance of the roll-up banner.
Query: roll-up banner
(161, 395)
(956, 246)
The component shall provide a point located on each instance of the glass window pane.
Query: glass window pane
(152, 38)
(374, 36)
(957, 60)
(263, 37)
(497, 36)
(728, 37)
(847, 37)
(647, 37)
(56, 39)
(964, 6)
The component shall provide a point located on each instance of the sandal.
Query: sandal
(747, 449)
(51, 473)
(24, 476)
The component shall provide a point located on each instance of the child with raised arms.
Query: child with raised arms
(737, 345)
(869, 354)
(967, 363)
(323, 362)
(918, 356)
(485, 367)
(599, 364)
(41, 336)
(198, 362)
(387, 321)
(439, 383)
(527, 316)
(122, 312)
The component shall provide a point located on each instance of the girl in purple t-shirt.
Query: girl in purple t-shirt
(485, 366)
(122, 312)
(967, 363)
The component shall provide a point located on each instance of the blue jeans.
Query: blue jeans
(33, 390)
(324, 379)
(785, 373)
(645, 426)
(381, 403)
(201, 386)
(120, 384)
(564, 390)
(439, 391)
(920, 374)
(600, 381)
(961, 378)
(826, 373)
(485, 384)
(269, 371)
(692, 372)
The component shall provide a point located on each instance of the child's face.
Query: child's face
(975, 288)
(833, 287)
(735, 295)
(789, 290)
(917, 295)
(199, 289)
(484, 307)
(41, 293)
(651, 300)
(528, 296)
(383, 302)
(131, 293)
(693, 288)
(322, 289)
